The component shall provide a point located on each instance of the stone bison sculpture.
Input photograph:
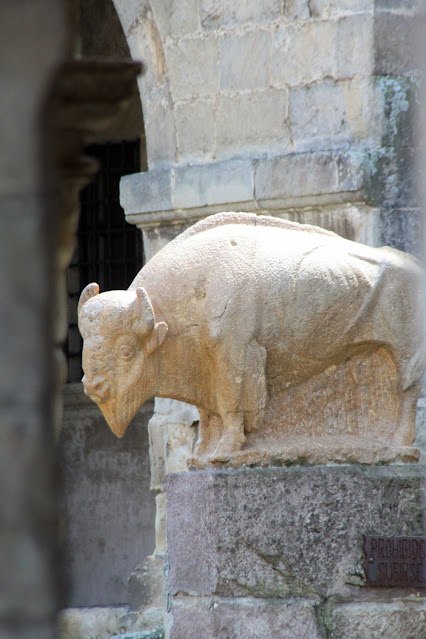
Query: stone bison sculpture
(241, 304)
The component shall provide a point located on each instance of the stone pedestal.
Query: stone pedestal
(278, 552)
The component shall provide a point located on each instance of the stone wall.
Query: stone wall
(301, 109)
(108, 511)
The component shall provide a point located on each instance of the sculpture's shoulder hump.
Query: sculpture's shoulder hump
(248, 219)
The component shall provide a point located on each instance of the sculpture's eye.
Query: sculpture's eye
(126, 352)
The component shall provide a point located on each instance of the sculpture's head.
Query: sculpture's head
(120, 335)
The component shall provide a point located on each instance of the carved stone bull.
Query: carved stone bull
(239, 305)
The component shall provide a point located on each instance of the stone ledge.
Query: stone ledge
(244, 618)
(403, 619)
(286, 532)
(185, 193)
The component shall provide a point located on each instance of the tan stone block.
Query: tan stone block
(193, 67)
(222, 13)
(252, 123)
(296, 9)
(303, 53)
(355, 46)
(176, 18)
(327, 8)
(318, 117)
(244, 60)
(195, 130)
(159, 127)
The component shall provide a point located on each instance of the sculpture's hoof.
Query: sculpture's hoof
(224, 450)
(200, 449)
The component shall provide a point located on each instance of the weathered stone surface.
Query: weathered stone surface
(193, 67)
(296, 9)
(244, 60)
(303, 175)
(252, 123)
(285, 531)
(243, 618)
(355, 46)
(147, 585)
(153, 187)
(228, 181)
(403, 619)
(393, 44)
(328, 114)
(102, 480)
(158, 116)
(220, 13)
(304, 52)
(327, 8)
(195, 130)
(318, 112)
(248, 370)
(82, 623)
(176, 18)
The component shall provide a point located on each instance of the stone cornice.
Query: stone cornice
(190, 192)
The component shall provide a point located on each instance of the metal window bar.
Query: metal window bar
(108, 249)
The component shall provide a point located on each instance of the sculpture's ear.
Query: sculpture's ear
(144, 313)
(156, 338)
(90, 291)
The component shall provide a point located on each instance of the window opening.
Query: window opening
(108, 249)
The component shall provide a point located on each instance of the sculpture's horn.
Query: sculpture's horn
(145, 314)
(90, 291)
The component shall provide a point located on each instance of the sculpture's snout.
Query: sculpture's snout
(97, 388)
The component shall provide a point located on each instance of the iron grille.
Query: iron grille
(108, 249)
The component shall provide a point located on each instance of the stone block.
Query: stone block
(327, 8)
(129, 12)
(195, 130)
(243, 618)
(285, 532)
(145, 44)
(159, 127)
(176, 18)
(146, 586)
(407, 7)
(82, 623)
(151, 191)
(224, 13)
(329, 114)
(296, 9)
(303, 53)
(218, 183)
(364, 109)
(402, 229)
(394, 44)
(355, 46)
(244, 60)
(252, 123)
(403, 619)
(318, 115)
(193, 67)
(305, 174)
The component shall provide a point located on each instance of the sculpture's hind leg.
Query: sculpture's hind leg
(209, 432)
(405, 433)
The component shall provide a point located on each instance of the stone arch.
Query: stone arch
(145, 40)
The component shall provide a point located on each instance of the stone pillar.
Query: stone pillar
(172, 434)
(278, 552)
(32, 44)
